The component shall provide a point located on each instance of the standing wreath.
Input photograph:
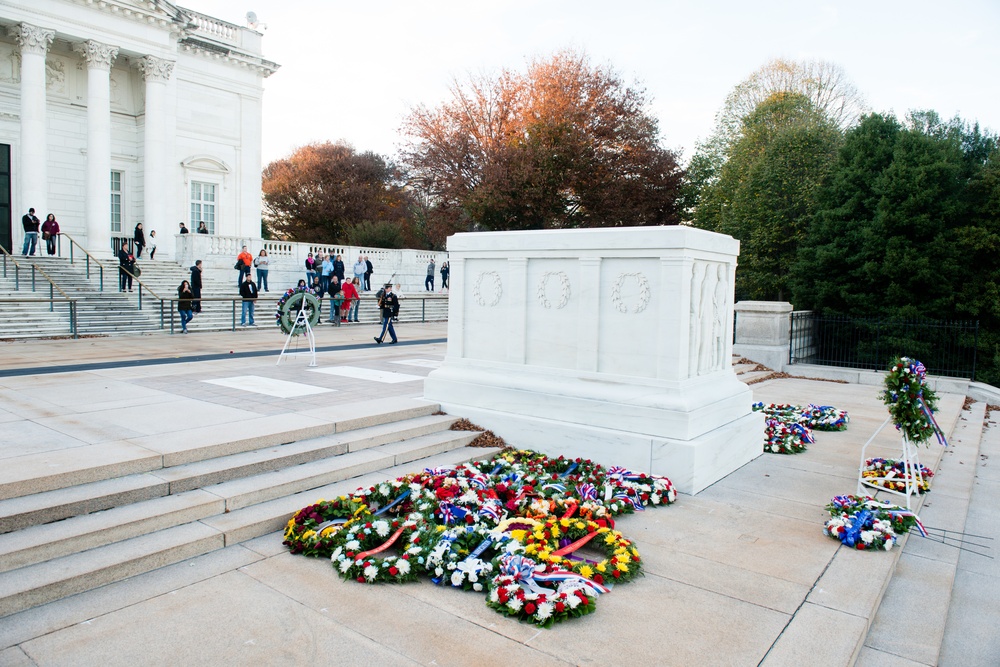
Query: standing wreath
(289, 305)
(910, 401)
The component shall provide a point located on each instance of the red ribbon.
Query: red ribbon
(570, 548)
(378, 550)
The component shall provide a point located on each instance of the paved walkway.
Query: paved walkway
(738, 575)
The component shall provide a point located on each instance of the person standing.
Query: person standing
(248, 290)
(126, 265)
(183, 230)
(388, 304)
(369, 270)
(139, 240)
(326, 273)
(261, 263)
(359, 272)
(351, 301)
(152, 243)
(243, 262)
(196, 286)
(202, 227)
(30, 223)
(50, 230)
(429, 280)
(310, 269)
(445, 272)
(336, 300)
(185, 299)
(338, 268)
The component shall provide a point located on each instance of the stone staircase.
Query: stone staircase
(110, 312)
(101, 519)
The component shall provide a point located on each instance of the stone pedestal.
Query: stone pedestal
(611, 344)
(762, 332)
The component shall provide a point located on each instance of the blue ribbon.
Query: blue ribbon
(852, 534)
(395, 502)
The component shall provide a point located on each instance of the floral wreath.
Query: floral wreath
(861, 522)
(356, 556)
(891, 474)
(785, 438)
(518, 591)
(911, 402)
(554, 542)
(815, 417)
(288, 308)
(312, 529)
(463, 556)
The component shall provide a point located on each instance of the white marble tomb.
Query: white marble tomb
(610, 344)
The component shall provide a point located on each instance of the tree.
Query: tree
(824, 84)
(565, 144)
(321, 191)
(765, 194)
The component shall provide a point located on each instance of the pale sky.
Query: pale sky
(352, 70)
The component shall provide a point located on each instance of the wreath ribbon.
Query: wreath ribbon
(938, 433)
(377, 550)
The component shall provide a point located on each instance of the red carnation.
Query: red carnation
(598, 578)
(616, 574)
(361, 580)
(502, 594)
(469, 519)
(529, 608)
(560, 607)
(393, 571)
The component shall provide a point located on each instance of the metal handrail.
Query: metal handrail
(173, 309)
(17, 268)
(51, 300)
(73, 242)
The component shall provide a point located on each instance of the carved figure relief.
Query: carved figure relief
(10, 65)
(644, 293)
(487, 295)
(564, 289)
(55, 76)
(708, 307)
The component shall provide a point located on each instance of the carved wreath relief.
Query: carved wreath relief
(564, 290)
(616, 292)
(709, 308)
(490, 296)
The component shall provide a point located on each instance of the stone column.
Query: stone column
(98, 206)
(34, 43)
(762, 332)
(156, 72)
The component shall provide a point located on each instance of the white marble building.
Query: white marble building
(114, 112)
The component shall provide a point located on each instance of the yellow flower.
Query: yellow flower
(565, 523)
(610, 539)
(309, 533)
(586, 571)
(539, 535)
(440, 529)
(519, 534)
(531, 548)
(544, 554)
(602, 566)
(580, 525)
(623, 567)
(635, 552)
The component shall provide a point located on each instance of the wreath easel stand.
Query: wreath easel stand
(301, 320)
(912, 476)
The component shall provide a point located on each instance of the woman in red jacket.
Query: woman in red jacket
(351, 300)
(50, 230)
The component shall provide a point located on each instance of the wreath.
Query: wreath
(816, 417)
(861, 522)
(785, 438)
(891, 474)
(518, 591)
(463, 556)
(289, 305)
(910, 401)
(311, 531)
(359, 545)
(555, 541)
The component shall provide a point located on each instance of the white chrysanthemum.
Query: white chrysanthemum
(345, 565)
(511, 588)
(573, 601)
(477, 587)
(494, 596)
(888, 544)
(438, 571)
(867, 536)
(371, 572)
(514, 604)
(336, 553)
(544, 611)
(403, 566)
(456, 578)
(381, 528)
(353, 545)
(384, 489)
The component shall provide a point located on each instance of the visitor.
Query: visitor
(338, 268)
(310, 269)
(196, 286)
(429, 280)
(139, 240)
(185, 299)
(152, 243)
(326, 272)
(336, 300)
(30, 223)
(261, 262)
(50, 230)
(126, 265)
(184, 230)
(248, 290)
(445, 272)
(351, 301)
(388, 306)
(369, 270)
(359, 272)
(202, 227)
(243, 263)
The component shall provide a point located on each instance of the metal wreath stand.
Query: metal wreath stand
(301, 324)
(912, 476)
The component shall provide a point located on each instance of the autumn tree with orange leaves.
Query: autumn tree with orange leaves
(565, 144)
(328, 192)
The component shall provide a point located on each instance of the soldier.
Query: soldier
(389, 305)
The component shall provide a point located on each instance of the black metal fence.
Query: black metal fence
(945, 347)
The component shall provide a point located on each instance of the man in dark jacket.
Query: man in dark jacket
(126, 268)
(368, 274)
(248, 290)
(196, 286)
(30, 223)
(388, 303)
